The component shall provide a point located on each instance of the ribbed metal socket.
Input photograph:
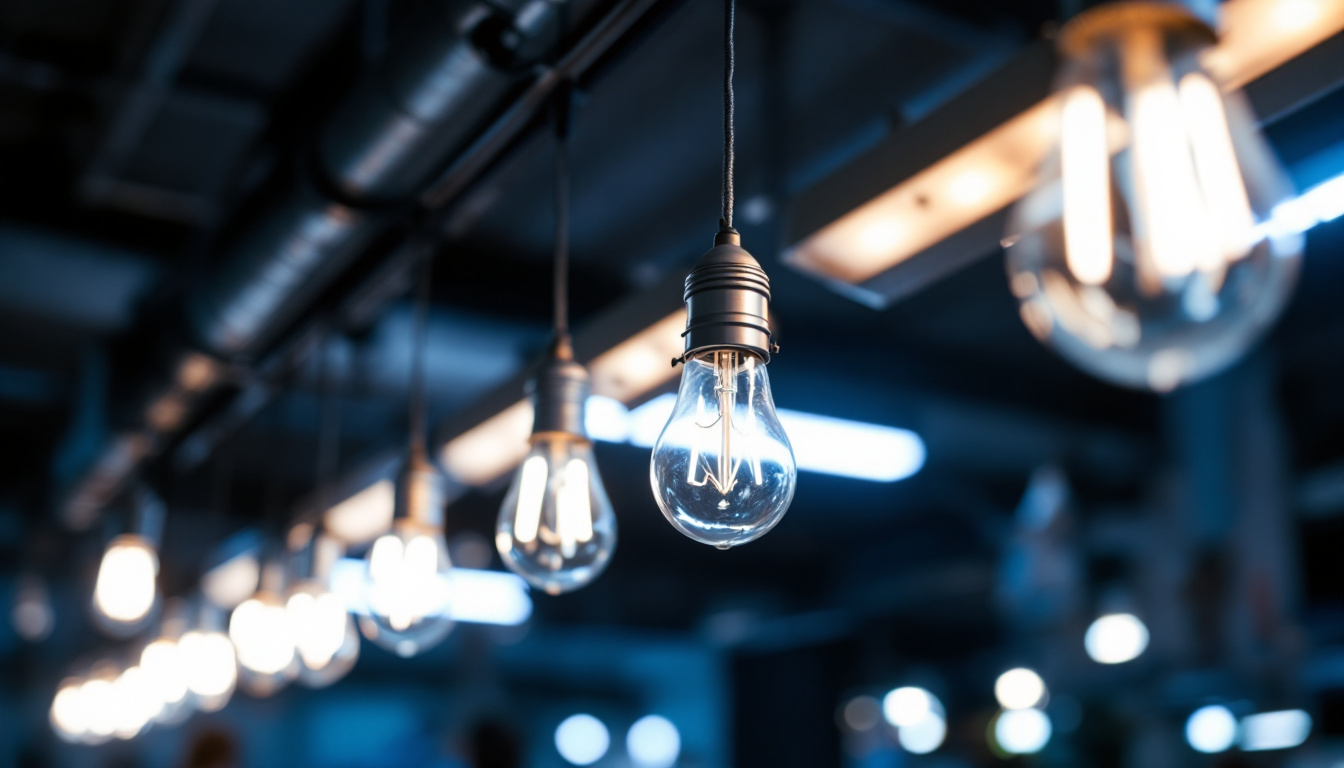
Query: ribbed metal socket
(728, 301)
(420, 493)
(559, 398)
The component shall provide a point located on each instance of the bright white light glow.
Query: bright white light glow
(531, 497)
(125, 588)
(100, 706)
(970, 187)
(479, 597)
(653, 742)
(1022, 731)
(211, 663)
(233, 581)
(1293, 15)
(1085, 161)
(1216, 163)
(582, 739)
(136, 703)
(607, 419)
(923, 736)
(1275, 730)
(1019, 688)
(318, 623)
(1323, 202)
(165, 666)
(820, 443)
(404, 580)
(261, 634)
(69, 716)
(1116, 638)
(907, 705)
(1211, 729)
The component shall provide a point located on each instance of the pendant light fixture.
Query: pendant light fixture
(1144, 257)
(126, 590)
(556, 528)
(407, 584)
(263, 635)
(325, 637)
(722, 470)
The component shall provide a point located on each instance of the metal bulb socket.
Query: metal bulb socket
(559, 395)
(728, 301)
(1118, 18)
(420, 492)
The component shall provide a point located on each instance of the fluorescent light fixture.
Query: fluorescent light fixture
(1274, 730)
(478, 597)
(999, 168)
(820, 443)
(607, 419)
(365, 515)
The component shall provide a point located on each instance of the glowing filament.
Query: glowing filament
(531, 496)
(1087, 201)
(1216, 162)
(574, 513)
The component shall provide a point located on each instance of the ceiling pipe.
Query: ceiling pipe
(419, 109)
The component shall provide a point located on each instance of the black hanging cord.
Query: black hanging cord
(419, 345)
(729, 64)
(563, 105)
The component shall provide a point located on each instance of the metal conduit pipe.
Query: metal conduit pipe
(416, 111)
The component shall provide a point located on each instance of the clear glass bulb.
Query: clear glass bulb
(1144, 257)
(125, 591)
(212, 667)
(263, 638)
(324, 634)
(69, 715)
(556, 528)
(723, 470)
(407, 589)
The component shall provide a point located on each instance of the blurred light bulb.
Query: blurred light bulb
(582, 739)
(69, 714)
(137, 703)
(324, 634)
(1147, 263)
(1022, 731)
(263, 639)
(653, 742)
(1019, 688)
(924, 735)
(407, 589)
(1116, 638)
(165, 667)
(907, 705)
(1211, 729)
(33, 617)
(556, 528)
(722, 470)
(212, 667)
(100, 706)
(125, 590)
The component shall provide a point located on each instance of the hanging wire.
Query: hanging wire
(420, 343)
(563, 104)
(729, 65)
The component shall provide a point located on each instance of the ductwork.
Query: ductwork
(418, 110)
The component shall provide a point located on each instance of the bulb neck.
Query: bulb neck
(728, 301)
(1111, 21)
(559, 395)
(420, 492)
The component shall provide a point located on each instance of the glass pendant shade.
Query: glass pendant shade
(1144, 255)
(556, 528)
(723, 471)
(407, 588)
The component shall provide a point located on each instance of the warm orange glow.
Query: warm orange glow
(641, 363)
(490, 449)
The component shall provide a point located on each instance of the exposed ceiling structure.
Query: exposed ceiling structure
(208, 214)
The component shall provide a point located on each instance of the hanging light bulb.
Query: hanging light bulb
(1144, 258)
(324, 633)
(210, 660)
(263, 636)
(125, 591)
(165, 666)
(69, 715)
(722, 470)
(407, 585)
(556, 528)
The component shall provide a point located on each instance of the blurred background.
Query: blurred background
(211, 213)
